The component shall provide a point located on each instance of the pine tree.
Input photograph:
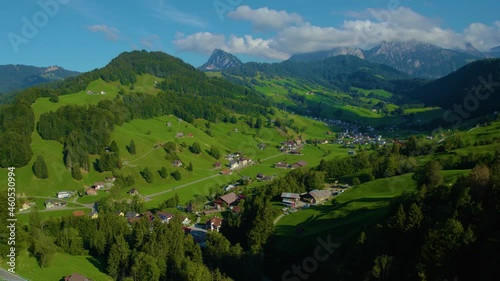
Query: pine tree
(114, 147)
(400, 218)
(76, 173)
(415, 217)
(163, 172)
(118, 257)
(147, 175)
(190, 167)
(176, 175)
(131, 147)
(40, 168)
(195, 148)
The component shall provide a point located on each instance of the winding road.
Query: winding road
(5, 275)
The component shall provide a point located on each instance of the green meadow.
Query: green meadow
(62, 265)
(352, 210)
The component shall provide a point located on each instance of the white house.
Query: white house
(64, 194)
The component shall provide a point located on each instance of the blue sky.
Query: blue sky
(86, 34)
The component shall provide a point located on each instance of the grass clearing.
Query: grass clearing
(61, 265)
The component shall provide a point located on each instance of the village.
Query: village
(209, 216)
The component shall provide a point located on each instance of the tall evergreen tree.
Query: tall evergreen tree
(40, 168)
(114, 147)
(131, 147)
(147, 175)
(76, 173)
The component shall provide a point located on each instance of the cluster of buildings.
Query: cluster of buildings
(312, 197)
(99, 186)
(237, 160)
(292, 146)
(351, 139)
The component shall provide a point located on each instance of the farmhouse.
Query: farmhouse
(133, 191)
(185, 220)
(165, 217)
(131, 215)
(233, 164)
(93, 215)
(148, 215)
(25, 206)
(179, 135)
(98, 185)
(226, 172)
(214, 224)
(64, 194)
(176, 163)
(91, 191)
(229, 187)
(49, 204)
(217, 164)
(228, 199)
(290, 199)
(244, 161)
(281, 165)
(299, 164)
(316, 196)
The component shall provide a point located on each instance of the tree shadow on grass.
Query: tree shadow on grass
(97, 263)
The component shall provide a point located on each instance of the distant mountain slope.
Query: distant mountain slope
(419, 59)
(494, 52)
(16, 77)
(338, 72)
(308, 57)
(475, 88)
(220, 60)
(414, 58)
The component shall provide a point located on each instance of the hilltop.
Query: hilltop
(220, 60)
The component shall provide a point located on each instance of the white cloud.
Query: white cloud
(264, 18)
(201, 42)
(205, 42)
(368, 28)
(112, 33)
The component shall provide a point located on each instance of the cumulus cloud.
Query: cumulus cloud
(264, 18)
(206, 42)
(110, 32)
(365, 29)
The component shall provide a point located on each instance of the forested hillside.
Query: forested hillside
(473, 87)
(18, 77)
(185, 92)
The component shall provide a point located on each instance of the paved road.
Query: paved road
(5, 275)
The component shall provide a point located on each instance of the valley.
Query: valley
(151, 150)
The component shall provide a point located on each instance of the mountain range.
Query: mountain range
(415, 58)
(16, 77)
(412, 57)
